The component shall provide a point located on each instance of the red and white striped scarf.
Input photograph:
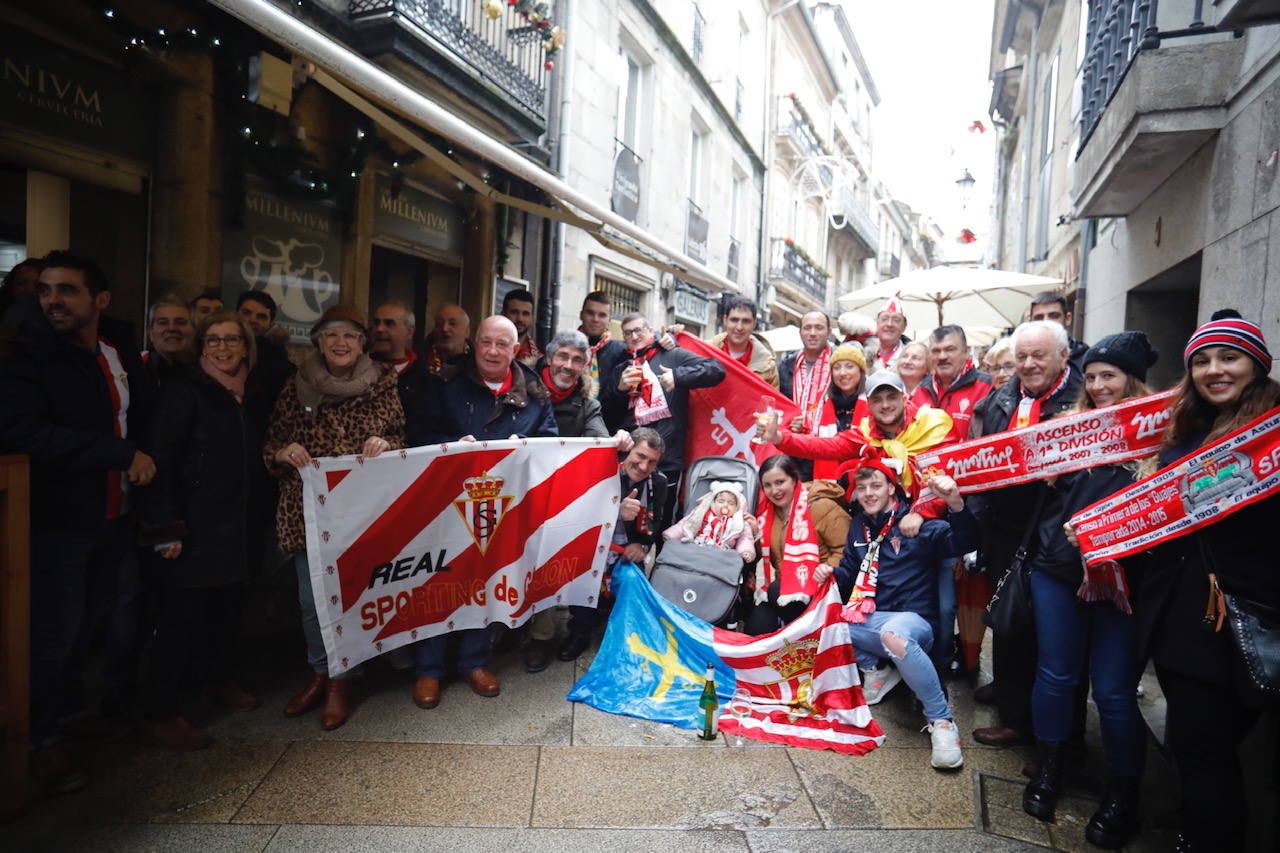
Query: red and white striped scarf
(1105, 581)
(799, 558)
(862, 601)
(809, 386)
(1028, 409)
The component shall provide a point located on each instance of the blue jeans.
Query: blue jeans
(1068, 631)
(916, 667)
(473, 653)
(316, 655)
(945, 629)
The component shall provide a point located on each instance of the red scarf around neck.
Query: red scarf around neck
(809, 386)
(506, 383)
(557, 396)
(800, 554)
(1027, 411)
(745, 358)
(862, 601)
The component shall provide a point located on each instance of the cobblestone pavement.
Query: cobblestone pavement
(531, 771)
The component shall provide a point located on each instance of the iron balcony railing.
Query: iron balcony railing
(792, 123)
(505, 51)
(859, 222)
(791, 265)
(1117, 31)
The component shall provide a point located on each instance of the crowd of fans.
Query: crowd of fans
(156, 473)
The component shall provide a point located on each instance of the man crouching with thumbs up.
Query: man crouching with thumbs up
(643, 490)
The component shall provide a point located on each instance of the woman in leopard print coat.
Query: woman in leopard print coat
(340, 402)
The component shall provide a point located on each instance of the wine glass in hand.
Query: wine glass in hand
(763, 414)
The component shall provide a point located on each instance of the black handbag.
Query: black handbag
(1009, 611)
(1255, 632)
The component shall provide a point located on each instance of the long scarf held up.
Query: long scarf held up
(1217, 480)
(1104, 436)
(1105, 581)
(800, 556)
(925, 430)
(809, 386)
(862, 601)
(316, 385)
(649, 398)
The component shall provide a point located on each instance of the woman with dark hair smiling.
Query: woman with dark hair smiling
(802, 525)
(1209, 711)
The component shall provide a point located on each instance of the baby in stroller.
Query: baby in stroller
(718, 520)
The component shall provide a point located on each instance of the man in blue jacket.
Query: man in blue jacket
(490, 397)
(76, 398)
(890, 584)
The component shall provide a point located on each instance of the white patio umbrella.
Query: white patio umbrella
(784, 338)
(963, 296)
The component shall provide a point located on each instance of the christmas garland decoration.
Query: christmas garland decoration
(538, 16)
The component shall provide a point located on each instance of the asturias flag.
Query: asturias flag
(802, 679)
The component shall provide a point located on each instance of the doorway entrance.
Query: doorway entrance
(423, 284)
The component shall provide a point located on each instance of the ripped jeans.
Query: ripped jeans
(918, 671)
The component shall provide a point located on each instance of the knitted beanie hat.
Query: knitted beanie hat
(850, 352)
(1228, 331)
(1130, 351)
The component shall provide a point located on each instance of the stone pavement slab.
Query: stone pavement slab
(530, 710)
(145, 838)
(396, 783)
(359, 839)
(895, 787)
(671, 788)
(880, 841)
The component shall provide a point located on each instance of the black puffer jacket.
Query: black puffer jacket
(578, 415)
(209, 475)
(1051, 553)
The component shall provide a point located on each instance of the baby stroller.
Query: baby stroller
(704, 580)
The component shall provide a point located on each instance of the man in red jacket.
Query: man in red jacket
(956, 385)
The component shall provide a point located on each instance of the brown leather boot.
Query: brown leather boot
(426, 692)
(308, 697)
(335, 704)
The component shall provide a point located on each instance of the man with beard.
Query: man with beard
(273, 367)
(577, 416)
(76, 400)
(518, 307)
(170, 333)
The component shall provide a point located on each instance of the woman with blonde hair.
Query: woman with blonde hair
(1084, 617)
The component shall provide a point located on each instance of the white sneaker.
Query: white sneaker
(946, 745)
(879, 681)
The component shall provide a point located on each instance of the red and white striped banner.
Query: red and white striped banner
(424, 541)
(802, 681)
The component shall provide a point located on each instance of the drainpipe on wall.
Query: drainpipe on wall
(564, 133)
(1028, 150)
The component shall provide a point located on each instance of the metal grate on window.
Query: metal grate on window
(626, 300)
